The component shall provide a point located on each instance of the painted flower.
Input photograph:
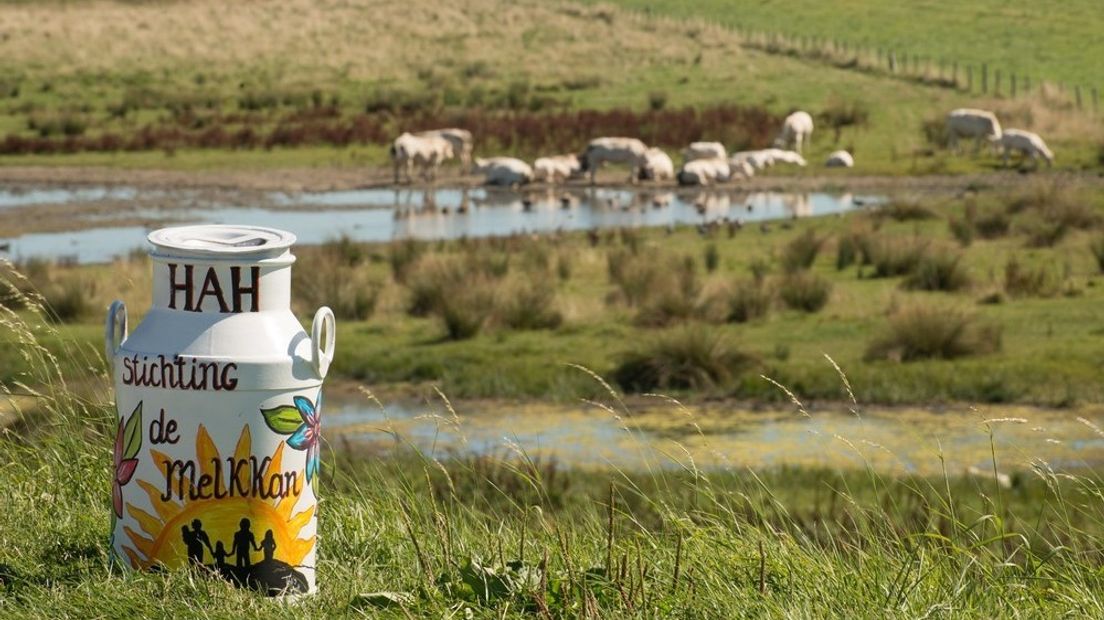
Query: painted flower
(303, 423)
(128, 440)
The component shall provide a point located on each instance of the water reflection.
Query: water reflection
(388, 214)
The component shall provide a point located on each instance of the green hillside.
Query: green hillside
(1058, 42)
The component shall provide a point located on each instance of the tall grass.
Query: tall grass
(1021, 280)
(690, 358)
(801, 251)
(406, 533)
(933, 332)
(748, 300)
(938, 271)
(894, 256)
(804, 291)
(334, 274)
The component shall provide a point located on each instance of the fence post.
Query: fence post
(954, 73)
(1077, 95)
(1095, 99)
(892, 57)
(969, 78)
(984, 77)
(996, 81)
(1013, 85)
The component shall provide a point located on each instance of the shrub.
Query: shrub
(633, 275)
(673, 296)
(894, 256)
(805, 291)
(938, 271)
(1096, 246)
(749, 300)
(801, 251)
(464, 308)
(848, 250)
(992, 225)
(529, 304)
(402, 255)
(690, 358)
(657, 100)
(923, 332)
(839, 114)
(1023, 281)
(335, 274)
(1043, 233)
(712, 258)
(963, 230)
(902, 211)
(70, 299)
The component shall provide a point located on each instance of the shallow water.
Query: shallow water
(666, 436)
(389, 214)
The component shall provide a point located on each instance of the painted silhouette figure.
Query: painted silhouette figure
(220, 554)
(243, 544)
(268, 545)
(195, 540)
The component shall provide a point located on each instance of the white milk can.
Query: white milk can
(219, 399)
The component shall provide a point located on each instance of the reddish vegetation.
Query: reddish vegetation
(515, 131)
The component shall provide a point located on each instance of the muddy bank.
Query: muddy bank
(336, 178)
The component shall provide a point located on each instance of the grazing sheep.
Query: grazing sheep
(617, 150)
(780, 156)
(840, 159)
(426, 152)
(704, 150)
(506, 171)
(557, 168)
(971, 123)
(1027, 143)
(704, 172)
(759, 160)
(460, 139)
(657, 166)
(741, 168)
(797, 129)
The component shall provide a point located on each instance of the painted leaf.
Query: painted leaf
(284, 419)
(126, 470)
(133, 433)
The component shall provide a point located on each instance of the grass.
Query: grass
(1049, 321)
(418, 535)
(927, 332)
(1014, 36)
(166, 83)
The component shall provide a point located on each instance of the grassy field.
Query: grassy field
(989, 297)
(348, 76)
(1020, 36)
(404, 534)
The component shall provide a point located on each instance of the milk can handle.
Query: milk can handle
(322, 352)
(116, 319)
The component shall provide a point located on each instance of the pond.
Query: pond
(667, 435)
(102, 223)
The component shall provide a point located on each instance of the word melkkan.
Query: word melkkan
(247, 479)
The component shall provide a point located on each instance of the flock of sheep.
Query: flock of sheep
(704, 163)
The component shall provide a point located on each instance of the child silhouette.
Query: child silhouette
(220, 554)
(268, 545)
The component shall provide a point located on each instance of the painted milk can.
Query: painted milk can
(219, 399)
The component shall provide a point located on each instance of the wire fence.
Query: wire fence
(982, 78)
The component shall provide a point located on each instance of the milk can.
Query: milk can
(219, 401)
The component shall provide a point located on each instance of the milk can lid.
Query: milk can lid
(228, 241)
